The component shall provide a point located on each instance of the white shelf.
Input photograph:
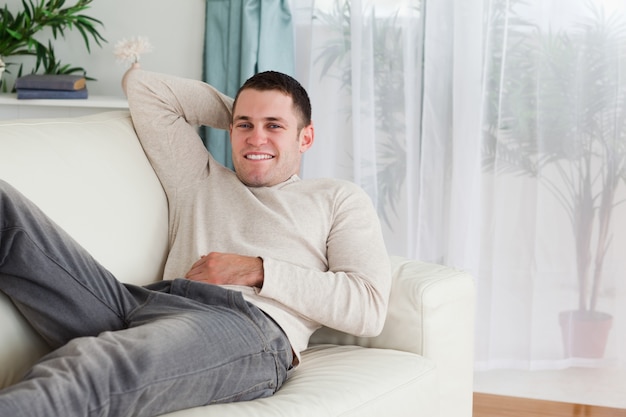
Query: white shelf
(12, 108)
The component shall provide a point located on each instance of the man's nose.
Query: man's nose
(257, 137)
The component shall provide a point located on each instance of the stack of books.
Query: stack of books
(49, 86)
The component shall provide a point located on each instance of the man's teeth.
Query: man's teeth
(259, 157)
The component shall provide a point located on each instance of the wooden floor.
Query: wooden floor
(488, 405)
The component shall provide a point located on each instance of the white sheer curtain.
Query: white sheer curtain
(548, 190)
(491, 134)
(361, 62)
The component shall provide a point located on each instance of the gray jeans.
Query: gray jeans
(124, 350)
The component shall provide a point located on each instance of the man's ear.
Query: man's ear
(307, 136)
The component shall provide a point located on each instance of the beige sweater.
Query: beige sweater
(323, 254)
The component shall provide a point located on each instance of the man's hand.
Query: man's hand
(228, 268)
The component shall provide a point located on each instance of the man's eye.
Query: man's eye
(244, 125)
(274, 126)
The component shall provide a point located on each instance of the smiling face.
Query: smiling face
(267, 137)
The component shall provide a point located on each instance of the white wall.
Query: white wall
(175, 30)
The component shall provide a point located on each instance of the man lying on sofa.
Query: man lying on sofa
(258, 260)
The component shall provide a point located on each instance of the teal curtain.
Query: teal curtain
(242, 38)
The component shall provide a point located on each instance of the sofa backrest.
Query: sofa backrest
(91, 176)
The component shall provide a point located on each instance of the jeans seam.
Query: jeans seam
(149, 384)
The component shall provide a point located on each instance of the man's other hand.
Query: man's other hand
(227, 269)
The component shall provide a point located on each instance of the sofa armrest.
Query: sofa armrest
(431, 313)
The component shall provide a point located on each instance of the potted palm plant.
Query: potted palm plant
(571, 84)
(24, 33)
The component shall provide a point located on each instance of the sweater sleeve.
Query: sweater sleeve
(352, 295)
(166, 111)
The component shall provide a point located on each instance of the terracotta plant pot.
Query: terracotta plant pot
(585, 333)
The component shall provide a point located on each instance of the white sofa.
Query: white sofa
(90, 175)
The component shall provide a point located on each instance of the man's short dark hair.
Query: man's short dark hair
(273, 80)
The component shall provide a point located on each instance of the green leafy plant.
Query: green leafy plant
(24, 33)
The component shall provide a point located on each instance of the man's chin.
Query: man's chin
(253, 181)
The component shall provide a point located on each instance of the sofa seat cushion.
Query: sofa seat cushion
(344, 381)
(20, 345)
